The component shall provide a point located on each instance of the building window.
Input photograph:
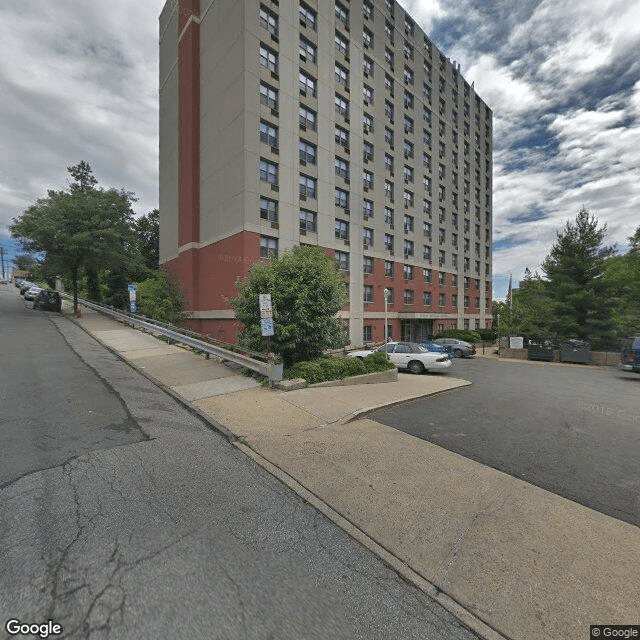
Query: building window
(466, 302)
(342, 258)
(408, 100)
(342, 44)
(268, 246)
(342, 15)
(342, 168)
(367, 67)
(268, 134)
(408, 224)
(342, 76)
(307, 152)
(388, 136)
(268, 209)
(388, 109)
(342, 106)
(408, 248)
(308, 187)
(342, 229)
(388, 268)
(442, 235)
(408, 76)
(388, 216)
(308, 221)
(307, 85)
(268, 171)
(367, 333)
(268, 58)
(454, 300)
(426, 252)
(389, 300)
(408, 272)
(342, 137)
(367, 9)
(367, 94)
(269, 20)
(408, 124)
(442, 278)
(367, 293)
(426, 273)
(408, 149)
(441, 300)
(408, 296)
(367, 180)
(367, 38)
(388, 56)
(307, 118)
(367, 123)
(426, 298)
(308, 17)
(388, 163)
(442, 258)
(388, 242)
(408, 174)
(388, 189)
(342, 199)
(268, 96)
(388, 83)
(367, 151)
(307, 50)
(367, 265)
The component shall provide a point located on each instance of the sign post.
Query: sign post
(133, 289)
(266, 318)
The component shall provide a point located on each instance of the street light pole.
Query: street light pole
(386, 333)
(498, 335)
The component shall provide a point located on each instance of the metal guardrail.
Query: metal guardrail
(271, 370)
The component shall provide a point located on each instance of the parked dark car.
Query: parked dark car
(460, 348)
(48, 300)
(630, 354)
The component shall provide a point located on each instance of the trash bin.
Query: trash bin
(575, 351)
(540, 352)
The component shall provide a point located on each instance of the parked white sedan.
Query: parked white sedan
(411, 356)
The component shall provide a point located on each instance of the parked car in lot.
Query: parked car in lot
(409, 355)
(25, 285)
(48, 300)
(32, 292)
(630, 354)
(430, 345)
(459, 348)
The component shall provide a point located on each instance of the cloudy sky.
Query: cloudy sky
(79, 82)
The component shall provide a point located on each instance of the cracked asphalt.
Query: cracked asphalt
(122, 515)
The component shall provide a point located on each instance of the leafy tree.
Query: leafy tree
(83, 228)
(306, 293)
(161, 298)
(148, 231)
(581, 304)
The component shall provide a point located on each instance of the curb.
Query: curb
(463, 615)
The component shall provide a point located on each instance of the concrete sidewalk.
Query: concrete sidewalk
(510, 559)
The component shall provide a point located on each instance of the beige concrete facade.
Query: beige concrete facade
(415, 138)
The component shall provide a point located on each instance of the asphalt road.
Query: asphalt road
(123, 516)
(573, 430)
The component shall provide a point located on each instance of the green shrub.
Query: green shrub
(337, 368)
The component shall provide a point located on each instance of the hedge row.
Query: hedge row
(338, 367)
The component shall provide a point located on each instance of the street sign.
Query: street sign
(266, 311)
(267, 326)
(132, 305)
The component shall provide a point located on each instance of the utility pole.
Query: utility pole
(2, 260)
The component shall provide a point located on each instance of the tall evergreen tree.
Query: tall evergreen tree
(580, 300)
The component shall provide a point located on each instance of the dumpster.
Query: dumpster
(540, 352)
(575, 351)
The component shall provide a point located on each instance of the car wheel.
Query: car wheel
(457, 353)
(415, 367)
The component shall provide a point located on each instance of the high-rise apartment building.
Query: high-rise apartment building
(331, 123)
